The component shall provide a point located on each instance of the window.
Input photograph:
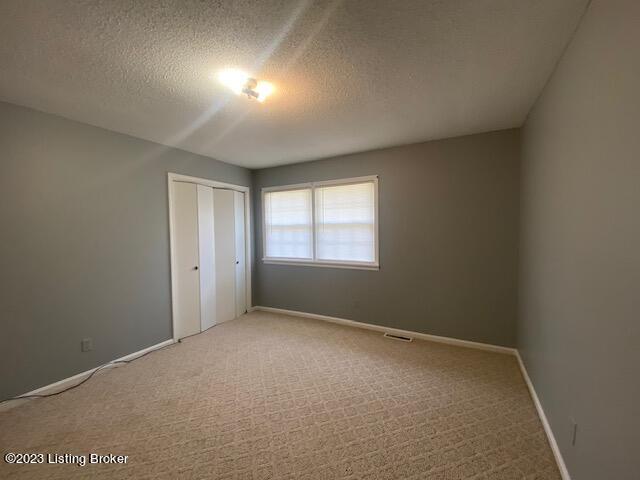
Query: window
(331, 223)
(288, 227)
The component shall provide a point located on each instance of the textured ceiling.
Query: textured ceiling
(351, 75)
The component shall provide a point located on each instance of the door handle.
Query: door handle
(195, 268)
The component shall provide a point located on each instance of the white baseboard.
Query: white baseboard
(450, 341)
(64, 383)
(394, 331)
(69, 381)
(545, 423)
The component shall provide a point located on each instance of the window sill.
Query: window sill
(311, 263)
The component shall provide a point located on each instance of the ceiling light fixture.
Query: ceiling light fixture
(239, 82)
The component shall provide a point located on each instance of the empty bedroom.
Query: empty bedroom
(320, 239)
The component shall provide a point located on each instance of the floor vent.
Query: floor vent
(398, 337)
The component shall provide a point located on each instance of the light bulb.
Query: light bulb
(233, 79)
(240, 82)
(264, 89)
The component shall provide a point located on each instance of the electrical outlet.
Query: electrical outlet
(574, 431)
(86, 345)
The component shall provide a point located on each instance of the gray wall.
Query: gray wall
(448, 241)
(84, 249)
(579, 325)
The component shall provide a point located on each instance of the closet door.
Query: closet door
(241, 265)
(207, 257)
(187, 278)
(223, 208)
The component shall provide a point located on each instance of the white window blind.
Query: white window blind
(288, 224)
(345, 216)
(325, 223)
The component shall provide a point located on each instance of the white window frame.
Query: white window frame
(375, 265)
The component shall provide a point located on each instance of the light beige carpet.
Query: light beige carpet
(270, 396)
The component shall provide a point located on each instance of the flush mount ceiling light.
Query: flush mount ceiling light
(241, 83)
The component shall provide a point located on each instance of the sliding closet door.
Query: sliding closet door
(223, 209)
(186, 275)
(241, 290)
(209, 264)
(207, 257)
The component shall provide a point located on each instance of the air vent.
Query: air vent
(398, 337)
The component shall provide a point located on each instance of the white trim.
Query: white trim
(286, 188)
(176, 177)
(305, 261)
(314, 230)
(564, 472)
(312, 262)
(376, 220)
(346, 181)
(74, 379)
(134, 355)
(393, 331)
(323, 183)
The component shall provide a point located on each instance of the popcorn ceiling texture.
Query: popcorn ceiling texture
(275, 397)
(350, 75)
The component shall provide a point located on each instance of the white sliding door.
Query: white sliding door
(206, 252)
(241, 264)
(187, 278)
(223, 208)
